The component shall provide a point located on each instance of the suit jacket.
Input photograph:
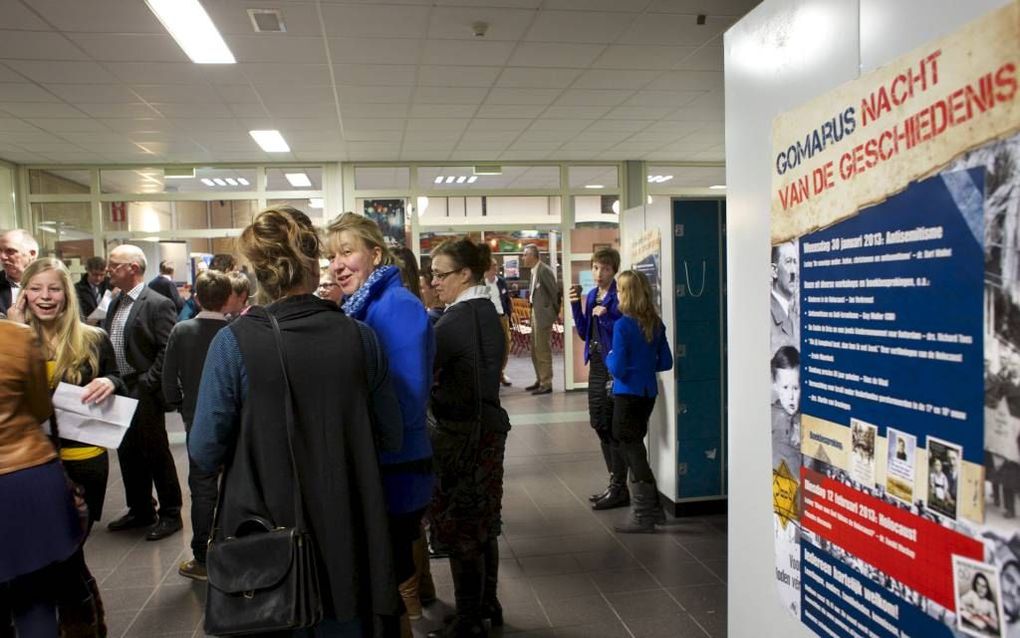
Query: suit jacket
(165, 287)
(545, 297)
(86, 302)
(7, 296)
(146, 334)
(785, 329)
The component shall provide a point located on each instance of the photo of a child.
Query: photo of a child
(785, 367)
(978, 600)
(943, 476)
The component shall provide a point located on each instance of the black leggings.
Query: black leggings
(630, 425)
(600, 413)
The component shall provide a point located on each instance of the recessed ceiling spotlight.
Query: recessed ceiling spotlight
(270, 141)
(219, 181)
(189, 24)
(243, 182)
(439, 179)
(298, 180)
(232, 181)
(208, 182)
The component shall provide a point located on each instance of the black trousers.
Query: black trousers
(600, 413)
(630, 425)
(91, 475)
(205, 488)
(405, 529)
(145, 460)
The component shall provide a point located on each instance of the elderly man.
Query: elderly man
(17, 250)
(785, 327)
(139, 322)
(545, 308)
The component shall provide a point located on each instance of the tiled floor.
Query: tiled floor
(563, 571)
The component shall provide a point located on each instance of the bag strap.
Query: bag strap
(478, 363)
(299, 512)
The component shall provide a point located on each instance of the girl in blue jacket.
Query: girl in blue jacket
(640, 350)
(375, 294)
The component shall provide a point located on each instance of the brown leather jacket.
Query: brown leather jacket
(24, 400)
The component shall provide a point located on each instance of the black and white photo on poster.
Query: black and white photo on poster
(862, 451)
(943, 476)
(978, 598)
(899, 466)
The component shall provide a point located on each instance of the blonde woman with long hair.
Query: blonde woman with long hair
(640, 350)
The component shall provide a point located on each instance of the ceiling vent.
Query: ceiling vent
(267, 20)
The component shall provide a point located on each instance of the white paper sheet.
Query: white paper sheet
(101, 424)
(100, 312)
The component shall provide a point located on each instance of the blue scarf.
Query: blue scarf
(355, 305)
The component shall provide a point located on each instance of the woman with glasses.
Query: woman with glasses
(468, 435)
(374, 293)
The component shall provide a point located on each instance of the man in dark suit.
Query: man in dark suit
(92, 286)
(17, 250)
(545, 309)
(182, 376)
(164, 284)
(139, 322)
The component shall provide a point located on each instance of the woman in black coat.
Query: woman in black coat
(469, 432)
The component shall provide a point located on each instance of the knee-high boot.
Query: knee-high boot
(491, 609)
(645, 509)
(468, 584)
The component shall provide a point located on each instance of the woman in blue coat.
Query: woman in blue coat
(374, 293)
(640, 350)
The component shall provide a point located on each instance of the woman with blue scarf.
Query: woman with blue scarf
(374, 294)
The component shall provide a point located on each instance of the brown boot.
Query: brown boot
(409, 594)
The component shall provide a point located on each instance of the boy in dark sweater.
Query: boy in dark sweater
(182, 375)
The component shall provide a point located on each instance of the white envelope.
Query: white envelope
(100, 312)
(102, 424)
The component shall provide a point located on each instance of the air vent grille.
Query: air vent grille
(267, 20)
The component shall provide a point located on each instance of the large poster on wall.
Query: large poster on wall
(895, 344)
(389, 214)
(646, 258)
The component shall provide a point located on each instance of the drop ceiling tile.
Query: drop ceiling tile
(163, 72)
(418, 156)
(538, 78)
(614, 79)
(10, 124)
(510, 110)
(278, 48)
(339, 155)
(592, 97)
(62, 72)
(438, 137)
(443, 110)
(300, 109)
(698, 114)
(434, 146)
(132, 110)
(449, 95)
(515, 4)
(372, 136)
(733, 8)
(535, 146)
(501, 138)
(578, 112)
(607, 137)
(37, 45)
(34, 136)
(639, 112)
(474, 150)
(626, 56)
(94, 93)
(663, 98)
(9, 75)
(570, 127)
(688, 81)
(39, 109)
(375, 74)
(635, 6)
(98, 17)
(674, 30)
(330, 133)
(138, 125)
(370, 20)
(522, 96)
(286, 74)
(287, 125)
(174, 111)
(48, 148)
(231, 17)
(375, 51)
(572, 26)
(587, 147)
(198, 125)
(18, 16)
(457, 52)
(627, 126)
(456, 23)
(274, 96)
(248, 110)
(24, 92)
(373, 94)
(436, 124)
(505, 125)
(68, 125)
(535, 135)
(237, 94)
(635, 149)
(715, 155)
(365, 150)
(518, 156)
(708, 58)
(374, 110)
(548, 54)
(178, 94)
(374, 124)
(479, 76)
(116, 47)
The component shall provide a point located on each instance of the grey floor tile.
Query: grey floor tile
(166, 620)
(560, 586)
(701, 598)
(718, 567)
(548, 565)
(617, 558)
(124, 599)
(579, 611)
(144, 576)
(178, 595)
(682, 626)
(527, 617)
(599, 630)
(706, 547)
(683, 574)
(117, 622)
(644, 604)
(515, 591)
(624, 580)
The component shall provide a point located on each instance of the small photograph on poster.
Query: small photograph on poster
(785, 273)
(389, 214)
(943, 476)
(978, 598)
(862, 458)
(785, 367)
(899, 472)
(511, 267)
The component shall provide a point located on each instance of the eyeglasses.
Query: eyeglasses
(443, 275)
(113, 265)
(327, 285)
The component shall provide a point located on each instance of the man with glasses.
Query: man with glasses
(18, 249)
(139, 322)
(328, 288)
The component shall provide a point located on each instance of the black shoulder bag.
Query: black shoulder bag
(264, 578)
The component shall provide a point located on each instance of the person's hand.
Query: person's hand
(598, 311)
(575, 294)
(98, 390)
(19, 309)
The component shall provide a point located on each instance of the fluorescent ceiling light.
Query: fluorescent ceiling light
(316, 202)
(298, 180)
(438, 179)
(193, 30)
(219, 181)
(594, 186)
(270, 141)
(208, 182)
(472, 179)
(717, 186)
(449, 180)
(178, 173)
(242, 181)
(462, 179)
(232, 181)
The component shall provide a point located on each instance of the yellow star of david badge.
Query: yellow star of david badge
(784, 494)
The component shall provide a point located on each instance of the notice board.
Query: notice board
(895, 344)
